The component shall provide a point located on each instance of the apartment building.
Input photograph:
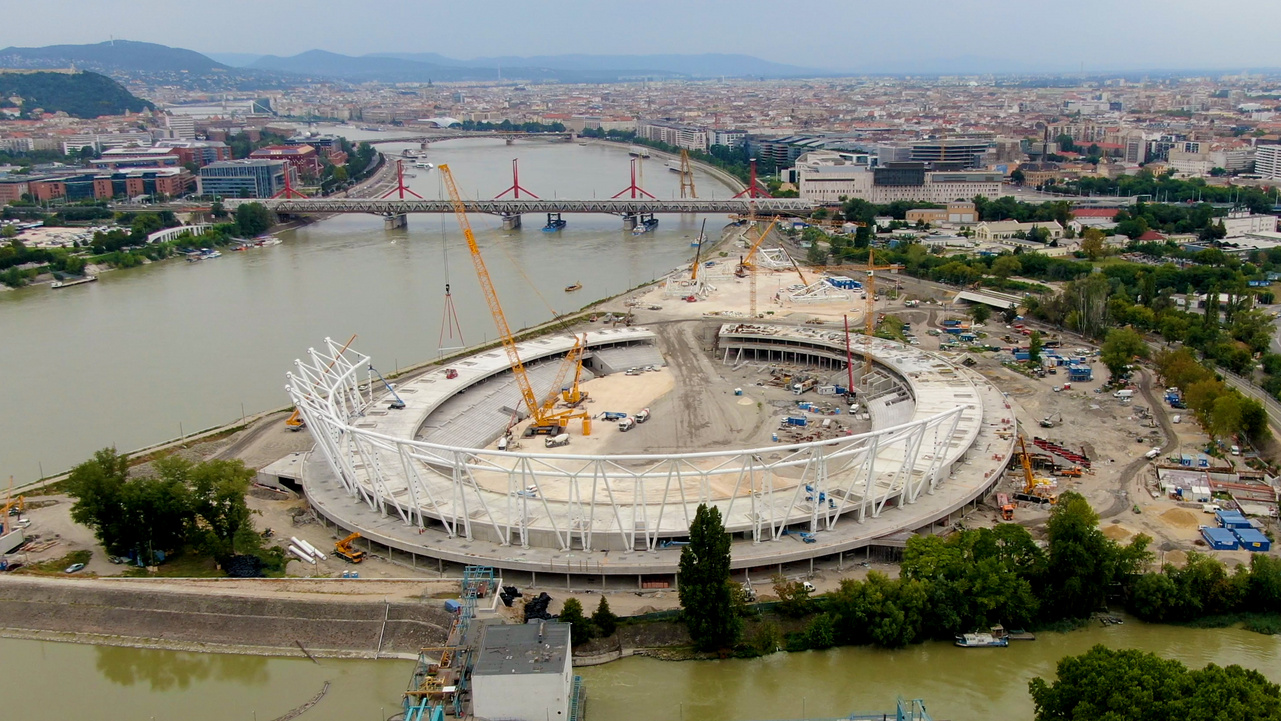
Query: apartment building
(688, 137)
(1267, 161)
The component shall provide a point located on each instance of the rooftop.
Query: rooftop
(528, 648)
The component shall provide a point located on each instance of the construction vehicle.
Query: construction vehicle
(626, 424)
(1035, 488)
(1049, 421)
(571, 394)
(544, 420)
(344, 550)
(642, 416)
(397, 403)
(1007, 508)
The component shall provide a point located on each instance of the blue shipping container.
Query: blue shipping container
(1231, 519)
(1220, 539)
(452, 606)
(1252, 540)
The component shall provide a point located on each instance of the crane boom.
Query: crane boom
(574, 356)
(491, 297)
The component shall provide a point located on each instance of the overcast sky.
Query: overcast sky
(831, 34)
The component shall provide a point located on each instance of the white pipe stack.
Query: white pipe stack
(312, 550)
(301, 554)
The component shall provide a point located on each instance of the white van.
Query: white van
(1124, 394)
(1152, 453)
(1177, 419)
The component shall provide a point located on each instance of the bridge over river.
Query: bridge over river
(630, 209)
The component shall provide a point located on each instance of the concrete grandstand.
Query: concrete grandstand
(426, 484)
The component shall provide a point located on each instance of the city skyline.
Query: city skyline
(979, 37)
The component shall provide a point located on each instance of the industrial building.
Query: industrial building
(523, 673)
(826, 178)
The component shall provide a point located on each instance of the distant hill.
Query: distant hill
(235, 60)
(82, 95)
(118, 55)
(322, 63)
(705, 65)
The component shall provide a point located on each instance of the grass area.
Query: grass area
(56, 566)
(186, 565)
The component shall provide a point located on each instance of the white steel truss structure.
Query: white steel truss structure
(620, 502)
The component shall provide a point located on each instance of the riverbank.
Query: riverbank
(275, 620)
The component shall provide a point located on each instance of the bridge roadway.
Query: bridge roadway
(624, 207)
(438, 137)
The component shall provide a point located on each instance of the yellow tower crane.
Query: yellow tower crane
(748, 265)
(869, 311)
(544, 421)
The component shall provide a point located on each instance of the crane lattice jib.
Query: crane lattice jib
(751, 254)
(491, 297)
(573, 357)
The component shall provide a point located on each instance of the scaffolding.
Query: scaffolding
(441, 677)
(820, 292)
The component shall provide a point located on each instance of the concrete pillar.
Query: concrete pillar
(511, 221)
(629, 221)
(394, 222)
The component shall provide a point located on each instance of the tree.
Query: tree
(703, 577)
(604, 619)
(253, 219)
(980, 313)
(1034, 346)
(1106, 685)
(1005, 266)
(1121, 347)
(1083, 563)
(217, 496)
(581, 630)
(793, 598)
(1092, 243)
(8, 231)
(1017, 177)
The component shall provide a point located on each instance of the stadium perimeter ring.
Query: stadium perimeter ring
(941, 437)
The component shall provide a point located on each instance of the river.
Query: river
(46, 680)
(151, 353)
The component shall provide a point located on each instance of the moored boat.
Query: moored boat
(574, 287)
(981, 640)
(74, 281)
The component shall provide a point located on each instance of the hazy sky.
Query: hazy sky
(833, 34)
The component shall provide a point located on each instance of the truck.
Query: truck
(626, 424)
(344, 550)
(801, 386)
(613, 415)
(558, 440)
(1125, 394)
(642, 415)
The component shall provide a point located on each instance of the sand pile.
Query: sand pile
(1180, 518)
(1117, 533)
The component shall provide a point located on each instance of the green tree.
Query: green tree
(581, 630)
(1083, 563)
(1092, 243)
(217, 491)
(1005, 266)
(253, 219)
(1034, 346)
(793, 598)
(1120, 349)
(8, 231)
(821, 632)
(604, 619)
(703, 577)
(1108, 685)
(980, 313)
(1017, 177)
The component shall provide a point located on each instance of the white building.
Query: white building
(1001, 230)
(1267, 161)
(181, 126)
(682, 136)
(1243, 223)
(729, 138)
(523, 673)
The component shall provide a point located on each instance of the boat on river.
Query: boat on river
(73, 281)
(574, 287)
(981, 640)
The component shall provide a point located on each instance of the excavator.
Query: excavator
(546, 421)
(1035, 489)
(344, 550)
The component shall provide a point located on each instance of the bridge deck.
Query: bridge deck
(741, 206)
